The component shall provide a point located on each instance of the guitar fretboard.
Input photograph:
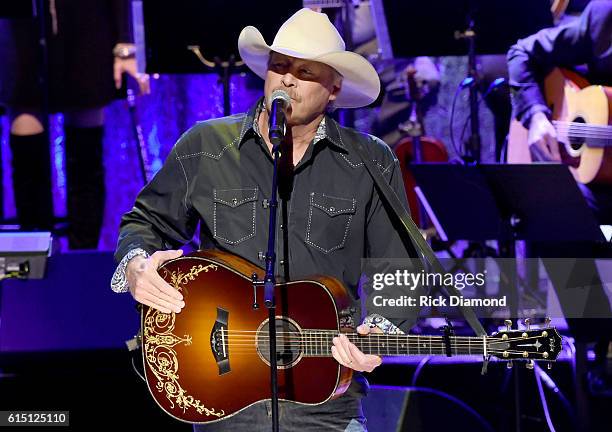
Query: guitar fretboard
(318, 343)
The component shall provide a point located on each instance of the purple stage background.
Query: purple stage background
(176, 103)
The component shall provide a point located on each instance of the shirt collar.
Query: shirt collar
(328, 128)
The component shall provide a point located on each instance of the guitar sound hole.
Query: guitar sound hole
(288, 342)
(575, 140)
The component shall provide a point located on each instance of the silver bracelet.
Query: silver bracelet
(375, 320)
(119, 283)
(124, 51)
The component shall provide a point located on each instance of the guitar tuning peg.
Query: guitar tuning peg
(509, 365)
(527, 322)
(508, 324)
(547, 321)
(530, 364)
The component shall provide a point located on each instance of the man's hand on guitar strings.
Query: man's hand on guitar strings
(542, 139)
(347, 354)
(148, 287)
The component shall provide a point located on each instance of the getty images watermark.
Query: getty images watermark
(493, 287)
(398, 288)
(396, 281)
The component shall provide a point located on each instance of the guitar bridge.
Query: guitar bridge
(219, 341)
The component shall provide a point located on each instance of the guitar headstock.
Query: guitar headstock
(532, 344)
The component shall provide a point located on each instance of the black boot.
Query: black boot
(32, 181)
(85, 186)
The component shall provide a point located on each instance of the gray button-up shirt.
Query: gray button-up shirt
(219, 173)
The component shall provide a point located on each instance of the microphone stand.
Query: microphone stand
(276, 137)
(472, 155)
(346, 117)
(143, 158)
(269, 283)
(474, 141)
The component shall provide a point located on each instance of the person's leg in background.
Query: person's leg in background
(86, 191)
(31, 164)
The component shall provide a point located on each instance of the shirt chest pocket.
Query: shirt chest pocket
(329, 221)
(234, 214)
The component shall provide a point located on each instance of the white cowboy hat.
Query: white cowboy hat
(310, 35)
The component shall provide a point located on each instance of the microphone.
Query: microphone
(279, 101)
(493, 86)
(467, 82)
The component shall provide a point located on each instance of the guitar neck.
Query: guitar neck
(318, 344)
(592, 135)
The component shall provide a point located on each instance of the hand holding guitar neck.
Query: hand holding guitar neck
(347, 354)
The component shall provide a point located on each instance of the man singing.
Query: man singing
(330, 213)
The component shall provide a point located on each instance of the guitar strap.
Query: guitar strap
(419, 243)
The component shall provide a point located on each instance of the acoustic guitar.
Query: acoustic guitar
(582, 115)
(211, 360)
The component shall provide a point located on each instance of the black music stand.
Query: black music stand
(202, 36)
(538, 202)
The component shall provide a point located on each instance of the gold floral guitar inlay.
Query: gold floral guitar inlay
(159, 343)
